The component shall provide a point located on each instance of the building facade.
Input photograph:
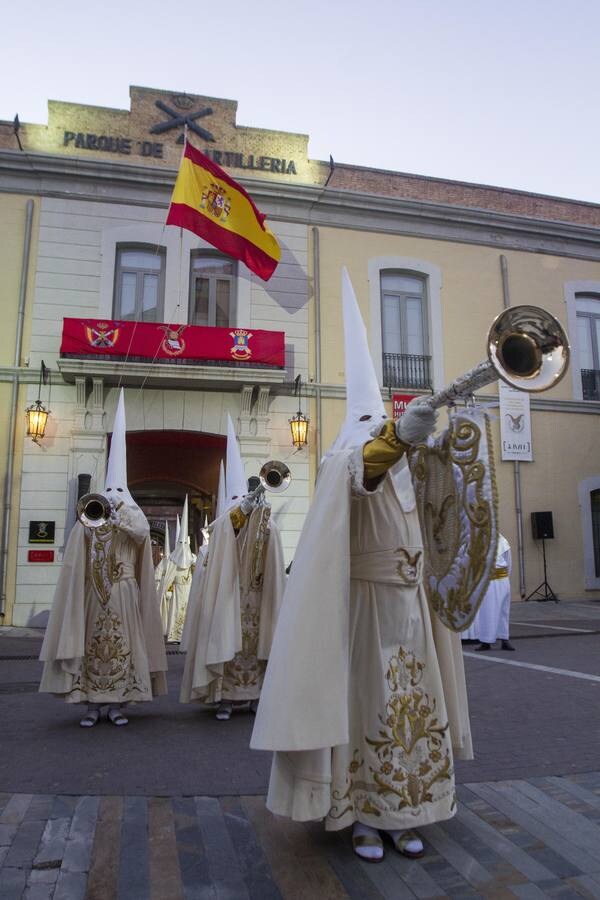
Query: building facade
(432, 261)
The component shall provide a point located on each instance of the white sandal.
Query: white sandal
(116, 717)
(90, 719)
(224, 711)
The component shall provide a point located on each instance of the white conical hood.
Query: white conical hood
(167, 547)
(205, 531)
(177, 529)
(221, 492)
(115, 486)
(236, 483)
(182, 554)
(363, 395)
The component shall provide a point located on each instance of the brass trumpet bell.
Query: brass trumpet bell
(528, 348)
(93, 510)
(275, 476)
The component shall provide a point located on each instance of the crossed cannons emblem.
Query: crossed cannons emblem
(177, 120)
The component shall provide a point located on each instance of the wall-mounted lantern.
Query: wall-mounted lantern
(37, 414)
(299, 422)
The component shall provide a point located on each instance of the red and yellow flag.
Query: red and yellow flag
(207, 201)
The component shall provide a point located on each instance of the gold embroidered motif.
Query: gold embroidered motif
(108, 665)
(244, 670)
(409, 567)
(259, 551)
(412, 749)
(455, 487)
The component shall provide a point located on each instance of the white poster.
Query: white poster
(515, 424)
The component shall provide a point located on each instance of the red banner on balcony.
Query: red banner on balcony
(189, 344)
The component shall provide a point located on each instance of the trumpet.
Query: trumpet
(94, 510)
(527, 348)
(275, 476)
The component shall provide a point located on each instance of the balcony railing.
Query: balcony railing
(590, 382)
(406, 370)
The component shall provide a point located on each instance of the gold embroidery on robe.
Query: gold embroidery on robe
(244, 670)
(412, 750)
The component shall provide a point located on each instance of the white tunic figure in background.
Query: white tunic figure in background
(190, 626)
(364, 693)
(492, 620)
(239, 600)
(104, 644)
(159, 572)
(178, 579)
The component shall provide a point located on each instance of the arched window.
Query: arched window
(404, 336)
(139, 283)
(588, 343)
(212, 290)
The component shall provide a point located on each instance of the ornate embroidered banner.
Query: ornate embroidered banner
(455, 486)
(189, 344)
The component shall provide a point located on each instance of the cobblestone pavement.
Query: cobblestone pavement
(169, 808)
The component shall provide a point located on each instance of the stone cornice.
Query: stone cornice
(147, 186)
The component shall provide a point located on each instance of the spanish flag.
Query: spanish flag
(207, 201)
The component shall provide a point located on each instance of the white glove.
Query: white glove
(417, 423)
(248, 500)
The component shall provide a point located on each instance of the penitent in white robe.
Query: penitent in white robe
(364, 694)
(104, 643)
(177, 602)
(229, 635)
(492, 620)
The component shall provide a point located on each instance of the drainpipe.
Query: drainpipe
(516, 463)
(12, 423)
(317, 289)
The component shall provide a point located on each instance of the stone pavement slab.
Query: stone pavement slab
(509, 839)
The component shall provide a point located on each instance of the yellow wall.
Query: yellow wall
(564, 443)
(12, 228)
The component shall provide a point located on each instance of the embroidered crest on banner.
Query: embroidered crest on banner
(215, 201)
(240, 349)
(455, 486)
(173, 343)
(102, 334)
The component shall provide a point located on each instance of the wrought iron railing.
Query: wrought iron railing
(406, 370)
(590, 382)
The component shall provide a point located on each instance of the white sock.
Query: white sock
(414, 845)
(367, 852)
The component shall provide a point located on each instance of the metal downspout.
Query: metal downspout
(516, 463)
(12, 424)
(317, 288)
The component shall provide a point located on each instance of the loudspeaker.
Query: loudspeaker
(542, 526)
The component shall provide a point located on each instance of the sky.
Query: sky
(503, 93)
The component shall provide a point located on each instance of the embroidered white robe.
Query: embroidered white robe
(103, 642)
(364, 693)
(231, 630)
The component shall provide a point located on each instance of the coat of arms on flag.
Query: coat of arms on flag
(101, 335)
(216, 201)
(240, 349)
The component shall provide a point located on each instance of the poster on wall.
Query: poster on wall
(515, 424)
(399, 404)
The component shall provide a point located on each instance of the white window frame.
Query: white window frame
(585, 488)
(212, 300)
(571, 290)
(140, 271)
(432, 286)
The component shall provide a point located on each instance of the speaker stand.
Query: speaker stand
(544, 590)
